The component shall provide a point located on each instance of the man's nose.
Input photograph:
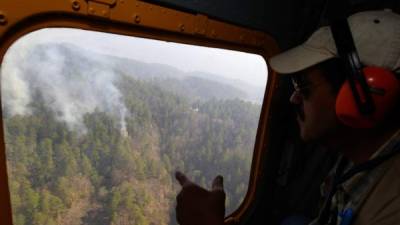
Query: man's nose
(296, 98)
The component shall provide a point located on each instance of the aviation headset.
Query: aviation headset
(368, 93)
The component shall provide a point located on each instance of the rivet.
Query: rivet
(137, 18)
(3, 19)
(104, 12)
(213, 34)
(76, 5)
(182, 27)
(91, 9)
(241, 37)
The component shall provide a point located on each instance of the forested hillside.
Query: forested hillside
(107, 172)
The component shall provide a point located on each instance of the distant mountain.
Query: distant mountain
(253, 93)
(142, 70)
(198, 85)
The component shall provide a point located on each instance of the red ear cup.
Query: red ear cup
(385, 91)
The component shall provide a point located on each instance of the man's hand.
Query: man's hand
(198, 206)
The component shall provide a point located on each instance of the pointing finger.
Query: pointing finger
(182, 179)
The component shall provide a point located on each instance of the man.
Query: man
(364, 186)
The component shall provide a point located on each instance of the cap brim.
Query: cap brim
(298, 58)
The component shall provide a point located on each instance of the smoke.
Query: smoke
(71, 81)
(15, 96)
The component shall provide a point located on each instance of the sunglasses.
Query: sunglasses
(302, 85)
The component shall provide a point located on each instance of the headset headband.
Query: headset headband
(348, 53)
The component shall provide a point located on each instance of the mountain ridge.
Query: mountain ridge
(148, 71)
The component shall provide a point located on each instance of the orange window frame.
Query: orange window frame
(139, 19)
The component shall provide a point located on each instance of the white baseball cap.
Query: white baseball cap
(376, 35)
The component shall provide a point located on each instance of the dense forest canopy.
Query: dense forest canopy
(74, 159)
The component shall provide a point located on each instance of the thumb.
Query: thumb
(218, 183)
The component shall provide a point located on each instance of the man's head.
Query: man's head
(318, 75)
(314, 98)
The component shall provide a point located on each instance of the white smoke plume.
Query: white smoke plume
(71, 82)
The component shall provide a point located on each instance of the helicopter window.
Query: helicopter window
(96, 124)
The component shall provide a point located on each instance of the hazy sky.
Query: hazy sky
(232, 64)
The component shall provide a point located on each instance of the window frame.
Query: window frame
(145, 20)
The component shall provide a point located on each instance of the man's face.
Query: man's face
(314, 100)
